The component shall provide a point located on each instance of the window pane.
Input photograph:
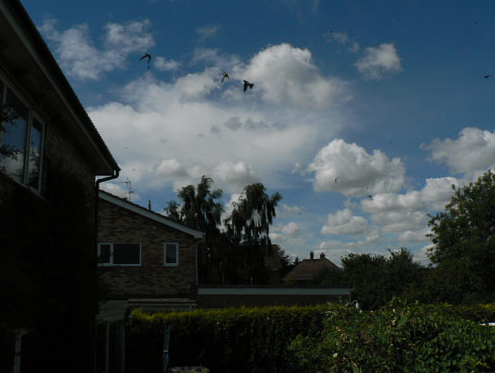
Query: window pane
(127, 254)
(170, 253)
(12, 146)
(34, 156)
(104, 256)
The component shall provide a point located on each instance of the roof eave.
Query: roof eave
(36, 47)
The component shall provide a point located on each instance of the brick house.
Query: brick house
(47, 145)
(145, 257)
(304, 272)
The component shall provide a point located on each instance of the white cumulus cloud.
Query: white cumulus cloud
(349, 169)
(234, 176)
(160, 63)
(396, 221)
(344, 222)
(413, 236)
(284, 74)
(433, 196)
(290, 229)
(378, 61)
(82, 60)
(471, 153)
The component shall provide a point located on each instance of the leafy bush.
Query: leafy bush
(478, 313)
(398, 338)
(333, 338)
(229, 340)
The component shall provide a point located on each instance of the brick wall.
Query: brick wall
(59, 149)
(119, 225)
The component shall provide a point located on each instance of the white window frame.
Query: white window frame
(177, 253)
(29, 123)
(111, 263)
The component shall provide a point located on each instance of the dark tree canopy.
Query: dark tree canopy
(235, 254)
(464, 242)
(375, 279)
(200, 208)
(252, 214)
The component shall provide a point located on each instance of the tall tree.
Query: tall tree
(251, 216)
(464, 242)
(200, 208)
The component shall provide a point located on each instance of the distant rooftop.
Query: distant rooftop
(308, 269)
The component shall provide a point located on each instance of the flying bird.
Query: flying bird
(247, 84)
(148, 56)
(370, 197)
(336, 179)
(486, 76)
(224, 76)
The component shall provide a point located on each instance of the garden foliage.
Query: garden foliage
(332, 338)
(228, 340)
(400, 338)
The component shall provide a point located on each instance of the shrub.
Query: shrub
(398, 338)
(333, 338)
(228, 340)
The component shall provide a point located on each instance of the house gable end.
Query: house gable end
(149, 214)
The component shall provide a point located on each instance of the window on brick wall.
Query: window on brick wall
(21, 141)
(171, 254)
(119, 254)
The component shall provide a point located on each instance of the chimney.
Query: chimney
(311, 255)
(322, 256)
(149, 206)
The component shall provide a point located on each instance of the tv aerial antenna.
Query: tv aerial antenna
(128, 183)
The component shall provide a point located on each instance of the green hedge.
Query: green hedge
(228, 340)
(331, 338)
(400, 338)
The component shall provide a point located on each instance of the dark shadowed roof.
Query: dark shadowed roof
(308, 269)
(28, 58)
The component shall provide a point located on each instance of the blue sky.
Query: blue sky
(389, 97)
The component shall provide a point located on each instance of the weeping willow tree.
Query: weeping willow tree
(234, 247)
(200, 208)
(251, 216)
(247, 229)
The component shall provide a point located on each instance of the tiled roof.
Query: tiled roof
(309, 269)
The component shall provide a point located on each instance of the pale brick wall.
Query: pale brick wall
(118, 225)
